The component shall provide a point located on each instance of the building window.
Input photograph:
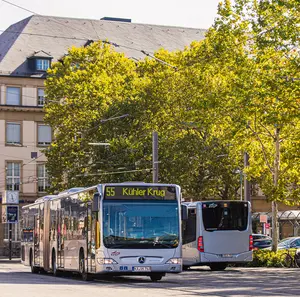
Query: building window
(44, 134)
(13, 175)
(15, 233)
(13, 133)
(42, 64)
(13, 96)
(41, 97)
(43, 179)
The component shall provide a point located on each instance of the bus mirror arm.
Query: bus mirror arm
(184, 213)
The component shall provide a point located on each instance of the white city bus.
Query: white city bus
(112, 229)
(217, 233)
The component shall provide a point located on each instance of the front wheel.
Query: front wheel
(156, 277)
(218, 266)
(84, 275)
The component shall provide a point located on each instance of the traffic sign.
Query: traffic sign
(10, 214)
(263, 218)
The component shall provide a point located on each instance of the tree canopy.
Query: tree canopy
(235, 91)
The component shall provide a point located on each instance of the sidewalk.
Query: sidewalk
(12, 261)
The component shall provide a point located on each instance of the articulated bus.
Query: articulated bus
(110, 229)
(216, 233)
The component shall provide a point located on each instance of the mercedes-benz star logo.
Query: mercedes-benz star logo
(141, 260)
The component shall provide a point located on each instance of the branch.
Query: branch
(268, 132)
(263, 149)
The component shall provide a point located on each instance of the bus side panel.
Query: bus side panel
(190, 254)
(74, 222)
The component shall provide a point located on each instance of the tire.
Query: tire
(156, 277)
(54, 266)
(218, 266)
(185, 267)
(82, 270)
(286, 260)
(34, 269)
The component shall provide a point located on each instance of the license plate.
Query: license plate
(227, 256)
(141, 268)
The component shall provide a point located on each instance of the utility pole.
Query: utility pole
(155, 157)
(247, 190)
(10, 240)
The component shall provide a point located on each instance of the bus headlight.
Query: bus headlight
(174, 261)
(106, 261)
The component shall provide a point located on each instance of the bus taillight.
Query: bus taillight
(250, 242)
(200, 244)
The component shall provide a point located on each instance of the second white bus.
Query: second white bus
(217, 233)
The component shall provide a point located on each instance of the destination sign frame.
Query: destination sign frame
(140, 192)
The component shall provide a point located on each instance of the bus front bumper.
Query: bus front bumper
(138, 269)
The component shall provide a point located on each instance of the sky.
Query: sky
(183, 13)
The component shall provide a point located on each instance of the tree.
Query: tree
(80, 91)
(156, 98)
(256, 42)
(235, 91)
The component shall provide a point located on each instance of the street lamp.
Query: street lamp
(240, 172)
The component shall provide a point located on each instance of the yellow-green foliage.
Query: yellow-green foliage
(266, 258)
(235, 91)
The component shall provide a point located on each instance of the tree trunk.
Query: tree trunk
(274, 226)
(275, 182)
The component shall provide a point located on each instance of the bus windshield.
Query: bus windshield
(225, 216)
(140, 225)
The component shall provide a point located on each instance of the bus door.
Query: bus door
(93, 233)
(89, 240)
(36, 240)
(60, 238)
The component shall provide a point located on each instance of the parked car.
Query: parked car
(261, 241)
(289, 243)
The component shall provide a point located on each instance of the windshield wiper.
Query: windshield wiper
(155, 243)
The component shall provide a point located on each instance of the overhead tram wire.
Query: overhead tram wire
(84, 33)
(33, 159)
(115, 172)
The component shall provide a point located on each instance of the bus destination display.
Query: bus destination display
(140, 192)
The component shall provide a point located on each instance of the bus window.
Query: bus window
(225, 216)
(189, 227)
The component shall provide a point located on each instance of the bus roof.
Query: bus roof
(74, 191)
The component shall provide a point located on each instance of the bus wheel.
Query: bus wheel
(82, 271)
(156, 277)
(33, 268)
(54, 267)
(217, 266)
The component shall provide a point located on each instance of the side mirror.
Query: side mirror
(96, 202)
(184, 212)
